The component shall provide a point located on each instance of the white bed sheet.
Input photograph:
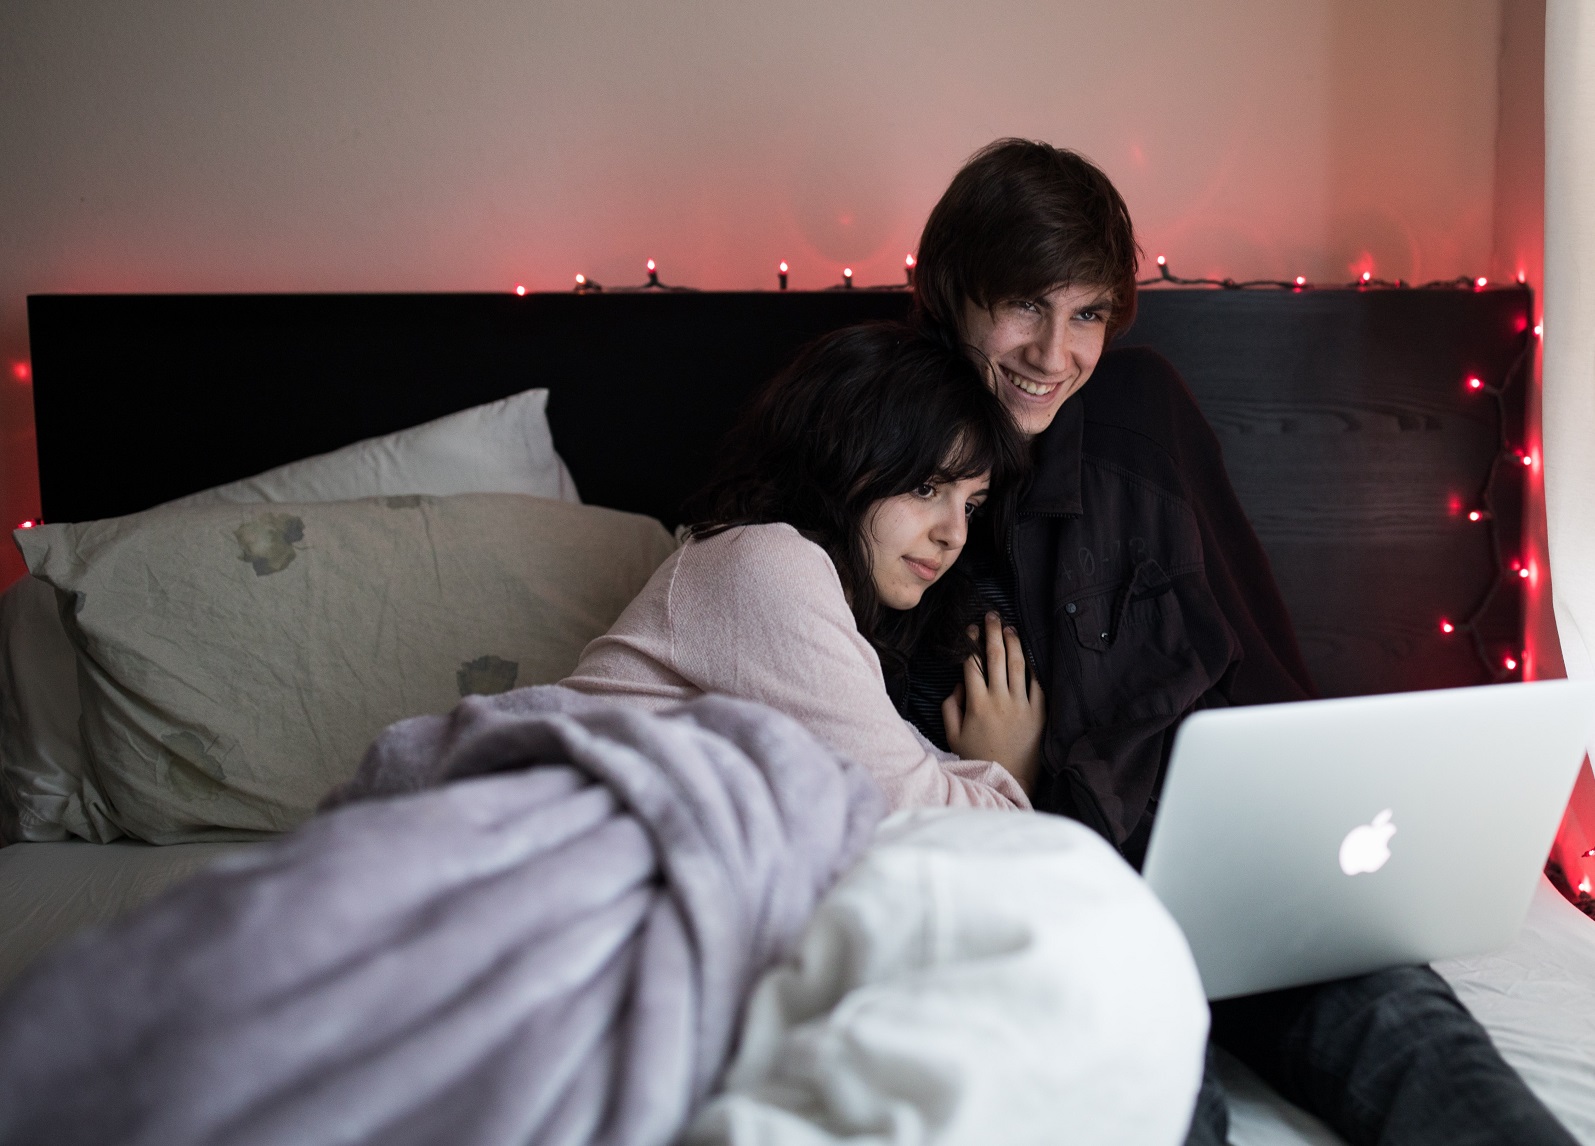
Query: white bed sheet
(1536, 997)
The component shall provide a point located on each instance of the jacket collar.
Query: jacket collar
(1055, 453)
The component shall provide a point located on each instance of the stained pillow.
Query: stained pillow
(233, 661)
(500, 447)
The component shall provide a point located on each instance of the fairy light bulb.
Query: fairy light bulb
(653, 273)
(1539, 330)
(520, 288)
(1480, 283)
(847, 277)
(1301, 280)
(1522, 278)
(1367, 276)
(581, 280)
(1475, 382)
(28, 524)
(1510, 663)
(1446, 626)
(1162, 261)
(780, 274)
(908, 268)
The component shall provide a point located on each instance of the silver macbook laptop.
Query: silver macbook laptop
(1296, 843)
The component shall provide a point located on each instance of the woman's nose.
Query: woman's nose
(951, 528)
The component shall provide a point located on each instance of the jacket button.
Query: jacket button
(1069, 608)
(1104, 636)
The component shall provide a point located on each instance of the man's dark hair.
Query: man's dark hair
(866, 413)
(1020, 218)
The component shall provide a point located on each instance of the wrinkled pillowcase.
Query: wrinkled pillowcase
(234, 662)
(499, 447)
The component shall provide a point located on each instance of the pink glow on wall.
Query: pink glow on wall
(22, 372)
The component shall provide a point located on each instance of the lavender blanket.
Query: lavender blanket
(532, 920)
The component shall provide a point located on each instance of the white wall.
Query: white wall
(307, 145)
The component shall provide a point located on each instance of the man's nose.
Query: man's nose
(1050, 350)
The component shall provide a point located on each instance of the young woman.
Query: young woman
(825, 548)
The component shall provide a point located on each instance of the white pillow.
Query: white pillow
(43, 793)
(502, 447)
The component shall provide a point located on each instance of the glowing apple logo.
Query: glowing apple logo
(1367, 846)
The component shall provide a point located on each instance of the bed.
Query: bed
(1351, 426)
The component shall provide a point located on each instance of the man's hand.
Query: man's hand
(993, 715)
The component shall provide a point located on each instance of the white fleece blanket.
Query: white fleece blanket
(979, 977)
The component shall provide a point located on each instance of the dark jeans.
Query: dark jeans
(1391, 1058)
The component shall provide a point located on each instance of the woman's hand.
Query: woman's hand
(993, 715)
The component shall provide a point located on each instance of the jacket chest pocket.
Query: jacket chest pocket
(1140, 645)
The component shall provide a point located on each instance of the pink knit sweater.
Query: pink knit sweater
(758, 612)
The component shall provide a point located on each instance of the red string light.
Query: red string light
(1300, 282)
(21, 371)
(1446, 626)
(780, 274)
(653, 273)
(520, 289)
(847, 276)
(28, 524)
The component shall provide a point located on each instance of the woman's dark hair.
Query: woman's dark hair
(1019, 219)
(867, 413)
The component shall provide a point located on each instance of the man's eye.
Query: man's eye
(1090, 316)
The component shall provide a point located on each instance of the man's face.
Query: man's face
(1040, 350)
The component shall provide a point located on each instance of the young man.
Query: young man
(1141, 594)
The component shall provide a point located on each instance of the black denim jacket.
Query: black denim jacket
(1143, 593)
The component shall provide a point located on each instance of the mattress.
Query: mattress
(50, 891)
(1536, 997)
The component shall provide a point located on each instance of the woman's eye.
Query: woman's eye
(927, 490)
(970, 507)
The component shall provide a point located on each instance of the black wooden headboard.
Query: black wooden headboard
(1346, 423)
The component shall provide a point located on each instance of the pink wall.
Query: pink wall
(292, 145)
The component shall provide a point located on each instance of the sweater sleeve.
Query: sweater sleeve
(758, 612)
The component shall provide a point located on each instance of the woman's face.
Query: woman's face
(1040, 350)
(915, 537)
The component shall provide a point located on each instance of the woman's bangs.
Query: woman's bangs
(974, 452)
